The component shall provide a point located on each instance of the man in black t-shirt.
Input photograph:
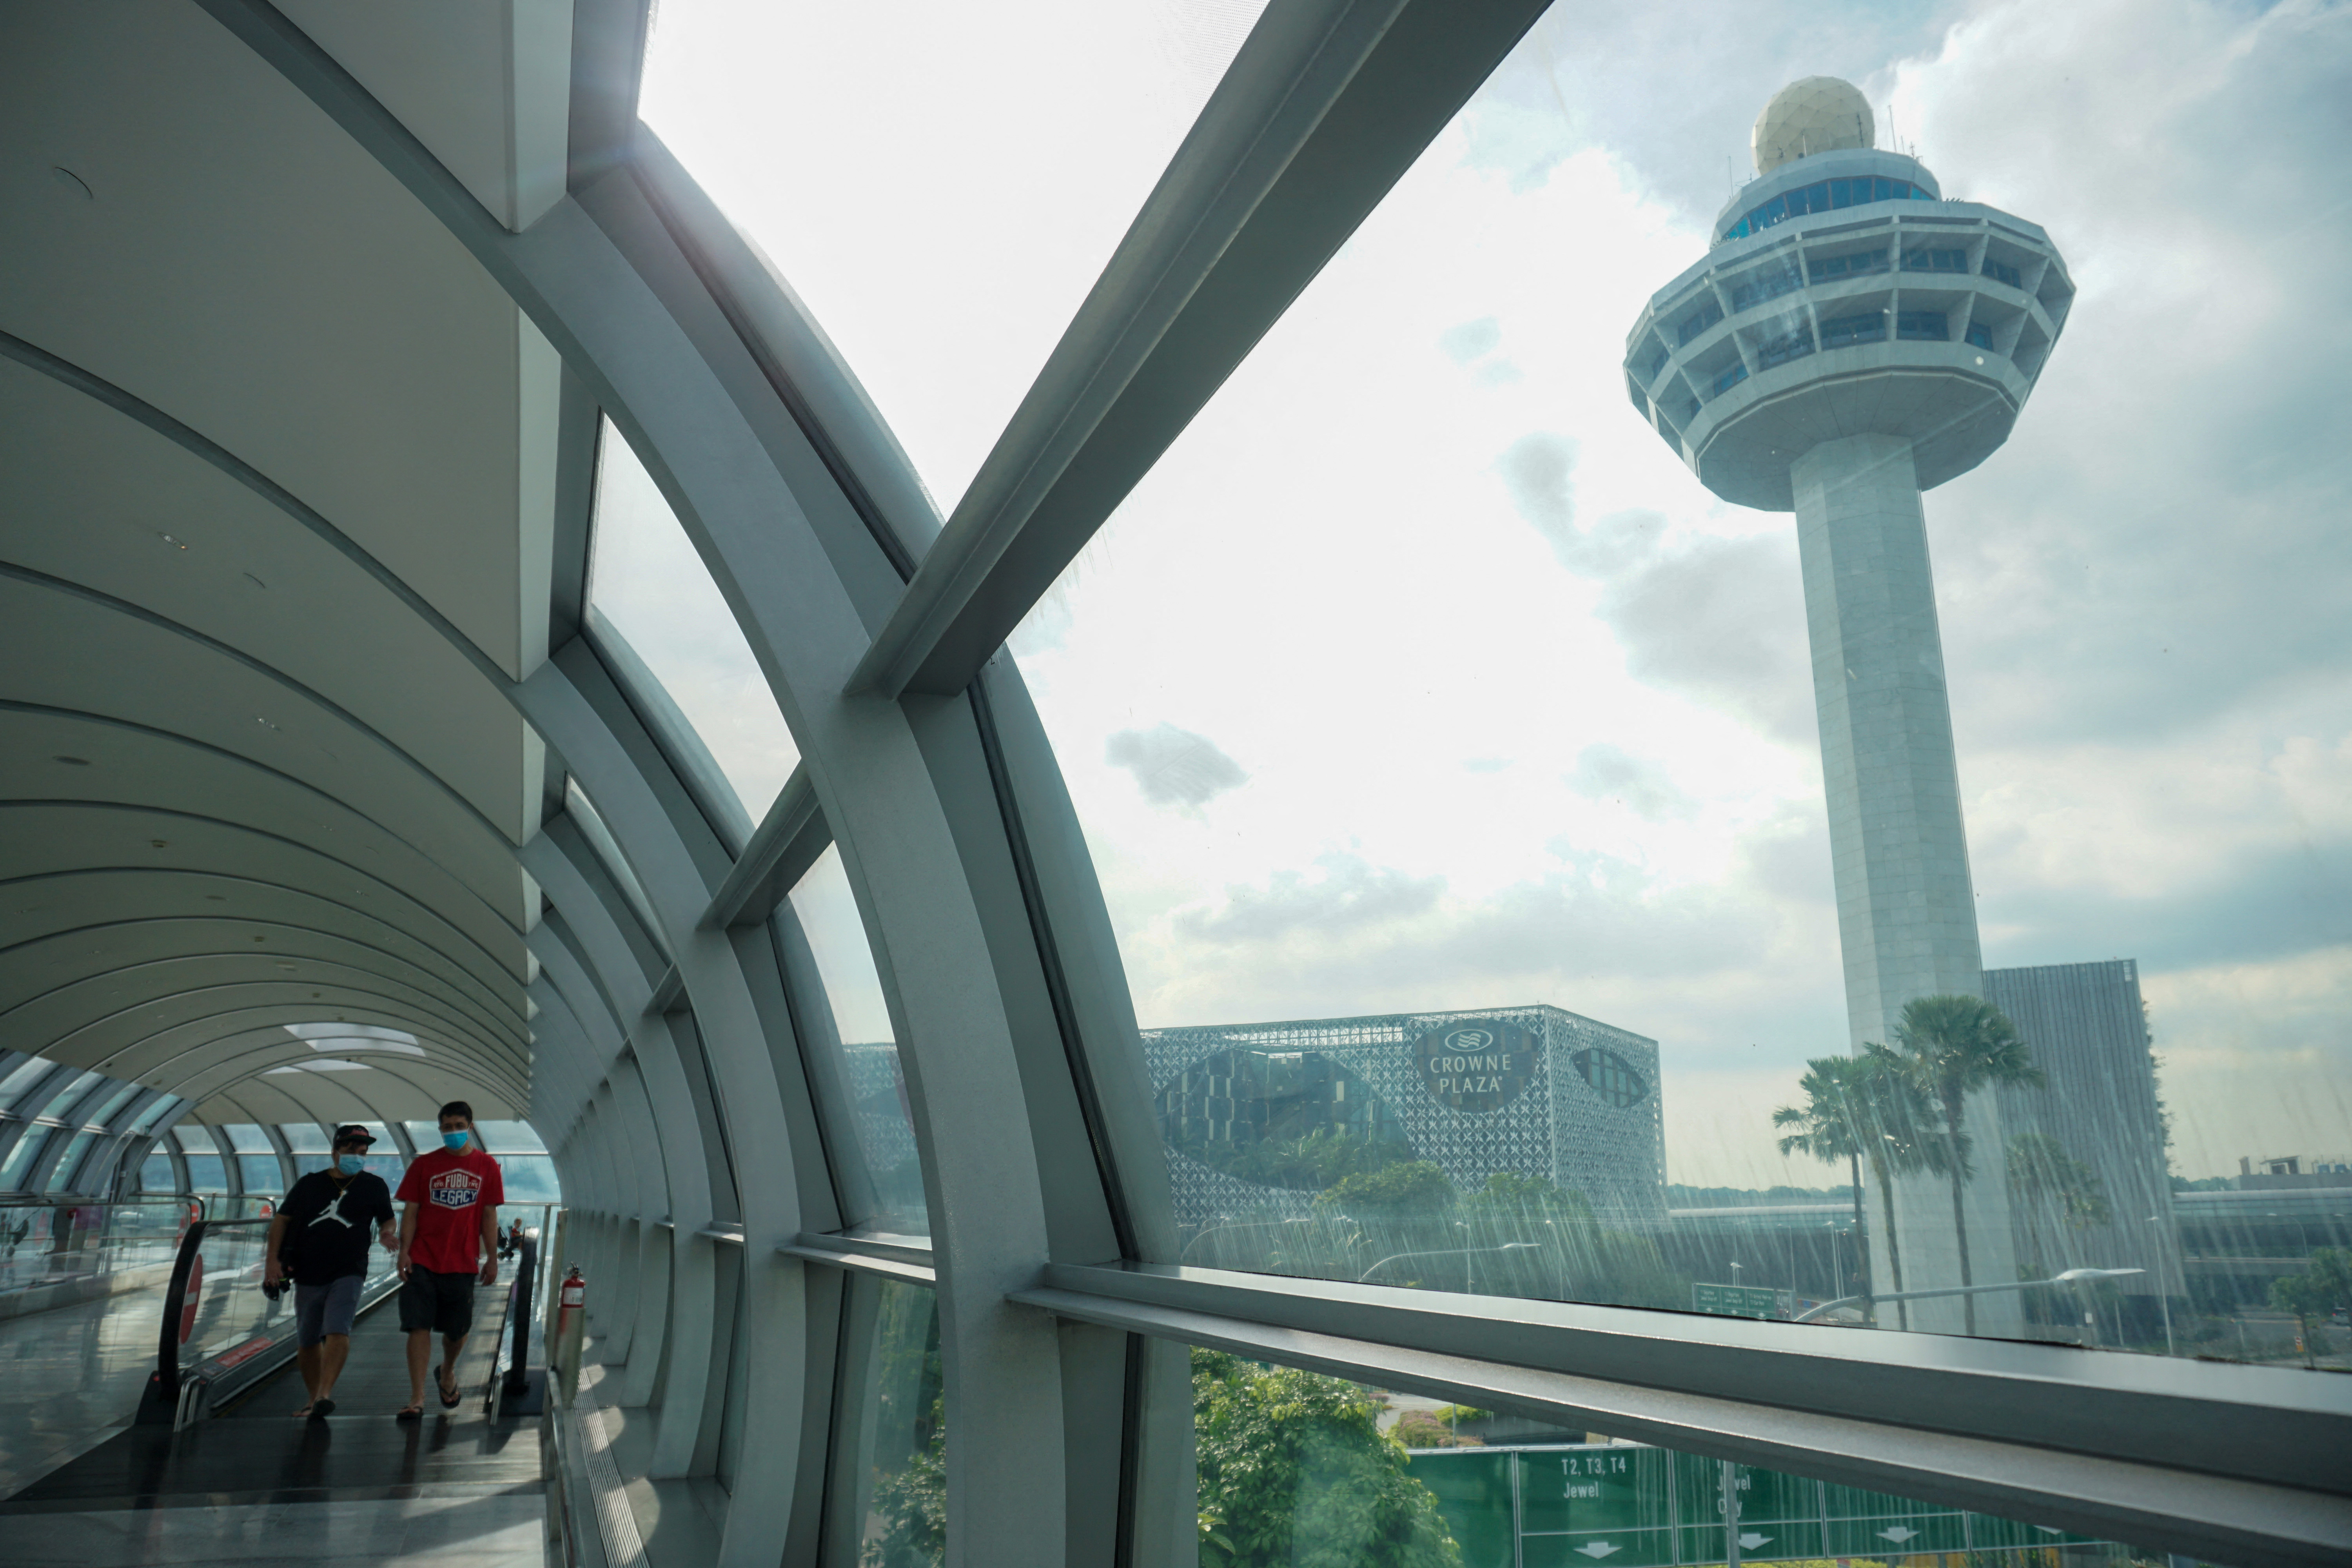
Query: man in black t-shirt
(321, 1236)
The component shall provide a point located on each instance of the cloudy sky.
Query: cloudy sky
(1421, 675)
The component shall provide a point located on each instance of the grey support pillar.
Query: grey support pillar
(1906, 907)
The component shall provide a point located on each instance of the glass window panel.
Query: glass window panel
(946, 296)
(68, 1166)
(155, 1173)
(205, 1172)
(531, 1179)
(892, 1509)
(647, 580)
(1502, 932)
(608, 853)
(21, 1079)
(102, 1113)
(261, 1174)
(62, 1103)
(510, 1137)
(22, 1156)
(867, 1102)
(247, 1138)
(1296, 1468)
(303, 1137)
(196, 1138)
(165, 1105)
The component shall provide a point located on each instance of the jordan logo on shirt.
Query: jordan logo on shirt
(454, 1189)
(334, 1211)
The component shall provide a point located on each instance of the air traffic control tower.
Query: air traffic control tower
(1850, 340)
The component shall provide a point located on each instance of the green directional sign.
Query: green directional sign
(1742, 1302)
(1873, 1524)
(1624, 1505)
(1779, 1515)
(1472, 1486)
(1582, 1506)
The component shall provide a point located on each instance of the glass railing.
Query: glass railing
(221, 1330)
(53, 1253)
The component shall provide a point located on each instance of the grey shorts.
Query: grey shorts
(442, 1303)
(324, 1309)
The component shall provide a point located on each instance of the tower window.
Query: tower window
(2002, 272)
(1925, 260)
(1922, 326)
(1729, 379)
(1786, 347)
(1830, 266)
(1979, 335)
(1768, 284)
(1845, 331)
(1700, 320)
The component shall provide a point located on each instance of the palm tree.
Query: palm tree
(1950, 1046)
(1829, 1124)
(1863, 1108)
(2049, 1184)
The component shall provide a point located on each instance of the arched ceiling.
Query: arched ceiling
(271, 442)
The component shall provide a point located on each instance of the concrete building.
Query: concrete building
(2090, 1038)
(1850, 340)
(1534, 1091)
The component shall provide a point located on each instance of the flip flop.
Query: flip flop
(451, 1398)
(411, 1413)
(304, 1413)
(322, 1409)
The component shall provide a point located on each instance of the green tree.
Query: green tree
(1403, 1190)
(1828, 1126)
(1869, 1103)
(2323, 1285)
(1952, 1046)
(2047, 1183)
(1295, 1474)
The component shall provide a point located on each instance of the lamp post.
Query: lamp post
(2072, 1277)
(1462, 1252)
(1250, 1225)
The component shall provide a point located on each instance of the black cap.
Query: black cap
(352, 1133)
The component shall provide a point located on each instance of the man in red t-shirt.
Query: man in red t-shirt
(448, 1243)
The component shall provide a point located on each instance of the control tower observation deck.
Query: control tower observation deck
(1852, 339)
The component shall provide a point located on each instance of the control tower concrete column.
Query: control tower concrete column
(1899, 854)
(1853, 339)
(1906, 911)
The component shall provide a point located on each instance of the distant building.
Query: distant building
(2089, 1036)
(1245, 1109)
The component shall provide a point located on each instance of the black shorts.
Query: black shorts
(442, 1303)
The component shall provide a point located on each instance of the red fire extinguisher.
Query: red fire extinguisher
(571, 1326)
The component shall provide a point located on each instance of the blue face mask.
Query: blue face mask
(454, 1142)
(351, 1164)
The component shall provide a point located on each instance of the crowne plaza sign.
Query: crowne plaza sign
(1476, 1065)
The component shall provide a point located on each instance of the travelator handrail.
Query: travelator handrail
(181, 1391)
(509, 1378)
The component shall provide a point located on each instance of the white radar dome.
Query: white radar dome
(1818, 114)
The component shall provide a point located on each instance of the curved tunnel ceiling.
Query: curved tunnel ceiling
(257, 408)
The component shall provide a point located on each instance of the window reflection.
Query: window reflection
(852, 1057)
(647, 580)
(1543, 729)
(893, 1498)
(1300, 1470)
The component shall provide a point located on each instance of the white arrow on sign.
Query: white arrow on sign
(1899, 1535)
(1751, 1540)
(1596, 1550)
